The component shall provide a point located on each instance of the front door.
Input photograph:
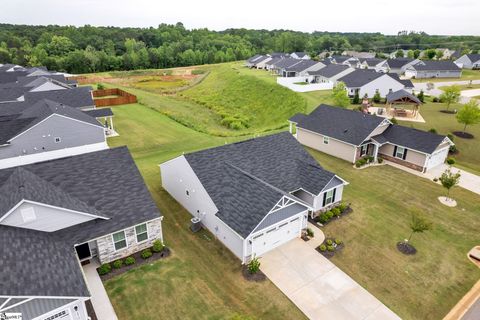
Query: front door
(83, 251)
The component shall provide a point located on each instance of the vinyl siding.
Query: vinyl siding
(413, 156)
(334, 147)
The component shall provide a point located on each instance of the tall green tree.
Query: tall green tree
(448, 179)
(340, 96)
(469, 114)
(450, 95)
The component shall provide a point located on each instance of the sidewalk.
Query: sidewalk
(468, 308)
(100, 301)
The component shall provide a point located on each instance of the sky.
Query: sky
(441, 17)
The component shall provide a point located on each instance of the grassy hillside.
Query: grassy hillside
(245, 103)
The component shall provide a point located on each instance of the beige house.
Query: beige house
(352, 135)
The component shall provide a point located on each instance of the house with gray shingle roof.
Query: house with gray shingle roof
(55, 215)
(379, 65)
(352, 135)
(45, 130)
(469, 61)
(330, 73)
(400, 65)
(301, 68)
(433, 69)
(252, 195)
(300, 55)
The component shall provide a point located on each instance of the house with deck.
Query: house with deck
(56, 216)
(351, 135)
(252, 195)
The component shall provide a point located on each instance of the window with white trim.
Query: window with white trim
(141, 232)
(119, 240)
(326, 140)
(400, 152)
(329, 198)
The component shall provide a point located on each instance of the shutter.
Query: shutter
(368, 148)
(405, 154)
(334, 193)
(324, 199)
(394, 151)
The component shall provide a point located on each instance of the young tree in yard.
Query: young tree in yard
(356, 98)
(450, 95)
(418, 224)
(469, 114)
(421, 96)
(410, 54)
(399, 54)
(430, 53)
(339, 95)
(449, 180)
(416, 53)
(439, 54)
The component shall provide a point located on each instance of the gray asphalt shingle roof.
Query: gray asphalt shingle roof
(398, 62)
(80, 97)
(411, 138)
(435, 65)
(393, 96)
(301, 66)
(100, 112)
(245, 180)
(342, 124)
(473, 57)
(330, 70)
(360, 77)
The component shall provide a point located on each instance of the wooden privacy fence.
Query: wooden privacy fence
(123, 97)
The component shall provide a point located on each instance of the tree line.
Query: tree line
(95, 49)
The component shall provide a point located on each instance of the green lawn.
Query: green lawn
(202, 279)
(465, 87)
(424, 286)
(466, 75)
(468, 157)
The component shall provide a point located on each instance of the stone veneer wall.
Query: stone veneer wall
(401, 162)
(106, 250)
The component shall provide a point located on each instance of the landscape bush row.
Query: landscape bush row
(337, 211)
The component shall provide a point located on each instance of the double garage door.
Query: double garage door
(437, 158)
(277, 236)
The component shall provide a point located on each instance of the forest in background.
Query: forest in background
(96, 49)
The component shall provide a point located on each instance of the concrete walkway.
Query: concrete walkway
(100, 301)
(435, 92)
(317, 287)
(468, 180)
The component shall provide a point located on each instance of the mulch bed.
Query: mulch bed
(448, 111)
(463, 135)
(346, 212)
(256, 277)
(328, 254)
(90, 310)
(139, 261)
(406, 248)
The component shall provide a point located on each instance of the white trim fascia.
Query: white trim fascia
(274, 226)
(49, 206)
(393, 144)
(54, 114)
(17, 304)
(54, 311)
(43, 297)
(6, 302)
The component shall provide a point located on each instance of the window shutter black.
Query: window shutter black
(405, 154)
(395, 151)
(324, 199)
(334, 192)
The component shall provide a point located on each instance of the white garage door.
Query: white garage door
(276, 236)
(437, 158)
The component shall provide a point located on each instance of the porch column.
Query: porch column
(290, 127)
(111, 123)
(375, 153)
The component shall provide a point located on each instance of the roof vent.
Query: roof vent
(345, 131)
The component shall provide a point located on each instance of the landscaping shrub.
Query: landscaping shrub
(310, 232)
(452, 149)
(336, 212)
(104, 269)
(329, 242)
(421, 96)
(323, 218)
(129, 261)
(377, 97)
(147, 253)
(323, 248)
(117, 264)
(435, 99)
(435, 179)
(370, 159)
(380, 160)
(253, 266)
(342, 207)
(433, 130)
(451, 161)
(356, 98)
(157, 246)
(100, 86)
(360, 162)
(329, 214)
(330, 248)
(338, 241)
(394, 121)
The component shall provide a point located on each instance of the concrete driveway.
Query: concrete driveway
(317, 286)
(468, 180)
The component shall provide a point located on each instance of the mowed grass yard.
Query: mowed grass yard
(428, 284)
(202, 279)
(466, 75)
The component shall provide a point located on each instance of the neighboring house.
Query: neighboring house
(379, 65)
(469, 61)
(253, 195)
(279, 55)
(369, 82)
(270, 65)
(46, 130)
(433, 69)
(351, 135)
(301, 68)
(330, 73)
(16, 91)
(10, 73)
(80, 97)
(55, 215)
(300, 55)
(251, 61)
(346, 60)
(282, 64)
(261, 63)
(359, 55)
(400, 65)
